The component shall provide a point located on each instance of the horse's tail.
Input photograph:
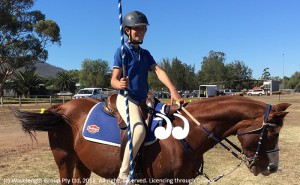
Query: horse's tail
(32, 121)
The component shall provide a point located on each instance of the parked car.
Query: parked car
(89, 93)
(195, 93)
(105, 92)
(64, 93)
(230, 91)
(162, 95)
(258, 92)
(185, 94)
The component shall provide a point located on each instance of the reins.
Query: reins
(211, 135)
(250, 160)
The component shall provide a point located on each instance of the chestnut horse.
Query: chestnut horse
(169, 158)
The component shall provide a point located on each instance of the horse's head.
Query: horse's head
(259, 140)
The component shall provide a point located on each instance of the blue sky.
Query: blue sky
(261, 33)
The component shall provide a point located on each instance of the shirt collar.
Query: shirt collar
(129, 46)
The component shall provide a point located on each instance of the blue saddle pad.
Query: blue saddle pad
(102, 128)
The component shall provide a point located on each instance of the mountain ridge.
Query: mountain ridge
(47, 70)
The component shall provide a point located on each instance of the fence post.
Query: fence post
(1, 101)
(63, 99)
(20, 101)
(35, 100)
(50, 100)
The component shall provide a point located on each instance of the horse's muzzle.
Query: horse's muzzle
(254, 170)
(272, 168)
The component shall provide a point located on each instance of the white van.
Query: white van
(206, 91)
(89, 93)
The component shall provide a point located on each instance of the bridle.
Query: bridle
(250, 161)
(254, 158)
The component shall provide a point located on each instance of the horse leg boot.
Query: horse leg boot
(138, 134)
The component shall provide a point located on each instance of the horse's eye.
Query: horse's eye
(273, 135)
(273, 129)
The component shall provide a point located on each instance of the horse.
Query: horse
(254, 123)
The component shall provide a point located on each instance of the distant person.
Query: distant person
(139, 63)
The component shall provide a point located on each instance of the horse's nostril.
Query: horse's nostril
(272, 168)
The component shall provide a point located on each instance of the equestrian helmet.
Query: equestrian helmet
(134, 19)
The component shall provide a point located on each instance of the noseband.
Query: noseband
(251, 160)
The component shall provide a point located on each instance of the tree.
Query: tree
(24, 35)
(26, 82)
(183, 75)
(266, 74)
(293, 82)
(154, 83)
(177, 74)
(212, 68)
(65, 82)
(237, 75)
(94, 73)
(191, 80)
(74, 74)
(166, 65)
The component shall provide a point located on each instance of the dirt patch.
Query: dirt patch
(13, 141)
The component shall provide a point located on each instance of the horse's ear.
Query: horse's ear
(280, 114)
(281, 106)
(277, 116)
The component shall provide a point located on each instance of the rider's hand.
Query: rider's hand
(123, 83)
(176, 96)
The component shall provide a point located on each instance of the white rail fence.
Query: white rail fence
(33, 100)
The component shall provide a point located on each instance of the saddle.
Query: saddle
(146, 109)
(110, 108)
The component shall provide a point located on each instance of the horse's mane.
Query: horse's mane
(226, 98)
(222, 107)
(241, 99)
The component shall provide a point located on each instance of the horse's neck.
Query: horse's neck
(225, 113)
(220, 118)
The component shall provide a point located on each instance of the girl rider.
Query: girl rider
(139, 63)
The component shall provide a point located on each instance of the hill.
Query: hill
(47, 70)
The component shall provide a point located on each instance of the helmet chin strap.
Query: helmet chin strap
(132, 41)
(136, 41)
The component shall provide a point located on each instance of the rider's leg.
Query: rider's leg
(137, 129)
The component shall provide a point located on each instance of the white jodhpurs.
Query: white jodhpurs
(137, 129)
